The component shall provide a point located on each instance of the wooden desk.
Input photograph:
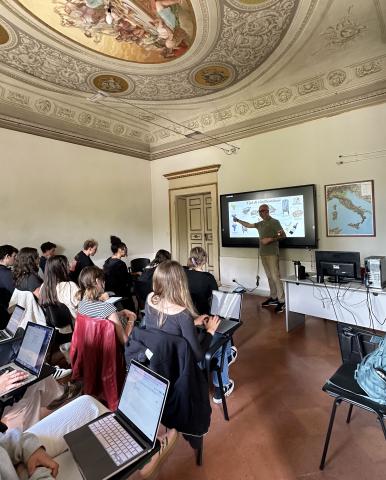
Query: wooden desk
(350, 303)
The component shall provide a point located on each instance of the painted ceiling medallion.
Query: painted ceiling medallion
(111, 83)
(4, 37)
(213, 76)
(141, 31)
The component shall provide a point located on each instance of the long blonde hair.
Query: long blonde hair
(170, 285)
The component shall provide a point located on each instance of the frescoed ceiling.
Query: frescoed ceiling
(152, 78)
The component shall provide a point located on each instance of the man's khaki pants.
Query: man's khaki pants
(271, 267)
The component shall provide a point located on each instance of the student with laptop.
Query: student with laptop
(170, 308)
(44, 393)
(202, 284)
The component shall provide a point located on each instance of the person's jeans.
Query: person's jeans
(228, 353)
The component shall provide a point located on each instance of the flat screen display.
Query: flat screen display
(294, 207)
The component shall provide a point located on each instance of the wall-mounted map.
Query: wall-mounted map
(350, 209)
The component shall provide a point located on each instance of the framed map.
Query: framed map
(350, 209)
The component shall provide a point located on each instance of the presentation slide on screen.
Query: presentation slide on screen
(288, 210)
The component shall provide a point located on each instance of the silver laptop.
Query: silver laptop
(13, 324)
(32, 353)
(112, 442)
(227, 306)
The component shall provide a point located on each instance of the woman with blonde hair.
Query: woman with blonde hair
(92, 303)
(170, 308)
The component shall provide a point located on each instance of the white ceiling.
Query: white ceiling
(252, 66)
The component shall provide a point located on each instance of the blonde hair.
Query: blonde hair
(88, 287)
(170, 285)
(197, 257)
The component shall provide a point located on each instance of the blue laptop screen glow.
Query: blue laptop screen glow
(34, 347)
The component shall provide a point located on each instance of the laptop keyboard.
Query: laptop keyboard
(6, 370)
(119, 444)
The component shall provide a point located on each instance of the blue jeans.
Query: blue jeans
(228, 353)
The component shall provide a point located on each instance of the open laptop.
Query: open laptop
(32, 353)
(227, 306)
(13, 323)
(112, 442)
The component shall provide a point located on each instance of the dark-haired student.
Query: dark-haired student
(7, 284)
(25, 272)
(117, 276)
(82, 259)
(145, 280)
(48, 250)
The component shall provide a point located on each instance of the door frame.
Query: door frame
(187, 191)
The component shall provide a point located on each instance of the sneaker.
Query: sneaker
(233, 356)
(71, 391)
(167, 442)
(61, 372)
(280, 307)
(228, 389)
(270, 301)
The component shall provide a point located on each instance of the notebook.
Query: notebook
(13, 324)
(112, 442)
(227, 306)
(32, 353)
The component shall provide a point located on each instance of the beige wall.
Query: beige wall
(302, 154)
(66, 193)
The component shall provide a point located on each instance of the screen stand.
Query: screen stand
(337, 279)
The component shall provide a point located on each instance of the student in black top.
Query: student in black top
(25, 272)
(7, 285)
(201, 283)
(48, 250)
(117, 276)
(82, 259)
(144, 284)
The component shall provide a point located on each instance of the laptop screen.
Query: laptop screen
(226, 305)
(142, 399)
(33, 348)
(15, 320)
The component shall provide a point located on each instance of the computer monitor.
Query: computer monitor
(339, 267)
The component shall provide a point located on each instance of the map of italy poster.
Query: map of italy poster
(350, 209)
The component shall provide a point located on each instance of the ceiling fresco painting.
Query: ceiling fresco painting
(130, 75)
(142, 31)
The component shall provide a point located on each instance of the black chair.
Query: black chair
(59, 316)
(344, 388)
(138, 265)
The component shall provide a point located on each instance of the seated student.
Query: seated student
(145, 280)
(7, 259)
(48, 250)
(25, 272)
(57, 286)
(41, 451)
(170, 308)
(92, 303)
(201, 283)
(82, 259)
(46, 393)
(117, 276)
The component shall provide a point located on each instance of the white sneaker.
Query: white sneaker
(61, 372)
(233, 356)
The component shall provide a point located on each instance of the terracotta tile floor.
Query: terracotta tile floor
(278, 413)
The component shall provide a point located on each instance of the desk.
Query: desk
(350, 303)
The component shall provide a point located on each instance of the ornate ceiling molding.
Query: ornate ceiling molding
(193, 172)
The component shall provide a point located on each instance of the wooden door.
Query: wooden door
(199, 216)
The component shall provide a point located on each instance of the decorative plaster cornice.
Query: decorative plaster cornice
(193, 172)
